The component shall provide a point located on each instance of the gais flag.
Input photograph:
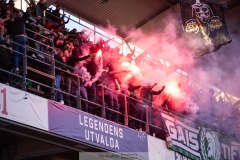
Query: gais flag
(206, 19)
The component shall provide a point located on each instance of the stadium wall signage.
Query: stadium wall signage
(199, 143)
(95, 130)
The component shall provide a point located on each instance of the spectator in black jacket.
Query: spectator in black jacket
(56, 17)
(41, 6)
(146, 94)
(136, 109)
(16, 29)
(71, 81)
(40, 9)
(94, 67)
(112, 88)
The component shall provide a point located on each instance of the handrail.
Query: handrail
(37, 33)
(41, 44)
(38, 60)
(40, 26)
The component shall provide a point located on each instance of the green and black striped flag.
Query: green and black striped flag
(206, 19)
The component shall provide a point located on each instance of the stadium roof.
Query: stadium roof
(122, 13)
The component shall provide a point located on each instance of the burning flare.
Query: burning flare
(131, 67)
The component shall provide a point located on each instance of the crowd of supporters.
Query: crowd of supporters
(96, 64)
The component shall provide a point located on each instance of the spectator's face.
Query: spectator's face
(8, 13)
(12, 4)
(20, 14)
(66, 53)
(71, 46)
(64, 59)
(76, 43)
(32, 4)
(59, 41)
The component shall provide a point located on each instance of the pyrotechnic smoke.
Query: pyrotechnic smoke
(168, 42)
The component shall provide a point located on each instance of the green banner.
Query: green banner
(199, 143)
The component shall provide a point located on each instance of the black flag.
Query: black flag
(207, 20)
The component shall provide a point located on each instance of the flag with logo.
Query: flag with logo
(206, 20)
(198, 142)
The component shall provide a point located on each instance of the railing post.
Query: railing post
(125, 111)
(53, 87)
(103, 104)
(24, 87)
(79, 102)
(147, 119)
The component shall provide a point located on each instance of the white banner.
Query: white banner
(157, 150)
(23, 107)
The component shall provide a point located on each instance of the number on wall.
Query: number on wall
(4, 111)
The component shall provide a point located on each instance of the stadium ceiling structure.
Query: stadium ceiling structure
(122, 14)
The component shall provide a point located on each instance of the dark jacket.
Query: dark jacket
(58, 65)
(17, 27)
(72, 61)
